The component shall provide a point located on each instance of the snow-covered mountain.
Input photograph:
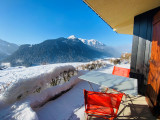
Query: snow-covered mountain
(90, 42)
(7, 49)
(58, 50)
(98, 45)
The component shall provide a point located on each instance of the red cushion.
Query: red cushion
(99, 110)
(121, 71)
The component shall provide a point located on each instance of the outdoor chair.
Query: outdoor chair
(121, 71)
(102, 105)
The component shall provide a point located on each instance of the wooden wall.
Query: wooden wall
(141, 48)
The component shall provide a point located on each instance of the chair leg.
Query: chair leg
(106, 90)
(86, 116)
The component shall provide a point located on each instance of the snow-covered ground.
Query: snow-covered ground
(13, 74)
(39, 105)
(72, 102)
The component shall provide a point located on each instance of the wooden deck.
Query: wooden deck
(136, 108)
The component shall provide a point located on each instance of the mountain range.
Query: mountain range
(91, 42)
(102, 47)
(7, 49)
(59, 50)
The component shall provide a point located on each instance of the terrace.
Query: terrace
(135, 107)
(64, 100)
(70, 105)
(140, 19)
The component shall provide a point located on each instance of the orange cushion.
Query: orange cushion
(121, 71)
(99, 110)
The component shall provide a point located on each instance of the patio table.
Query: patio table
(119, 83)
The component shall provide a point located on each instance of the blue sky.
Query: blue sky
(33, 21)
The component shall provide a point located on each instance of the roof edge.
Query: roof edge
(97, 14)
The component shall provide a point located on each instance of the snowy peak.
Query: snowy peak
(93, 43)
(83, 40)
(90, 42)
(98, 45)
(72, 37)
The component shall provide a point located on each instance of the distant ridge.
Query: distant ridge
(54, 51)
(7, 49)
(60, 50)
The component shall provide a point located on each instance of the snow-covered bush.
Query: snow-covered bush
(24, 109)
(33, 83)
(92, 65)
(115, 61)
(126, 57)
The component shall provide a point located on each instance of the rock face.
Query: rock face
(55, 51)
(7, 49)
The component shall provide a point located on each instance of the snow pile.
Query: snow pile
(9, 75)
(27, 81)
(18, 111)
(41, 98)
(23, 109)
(65, 106)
